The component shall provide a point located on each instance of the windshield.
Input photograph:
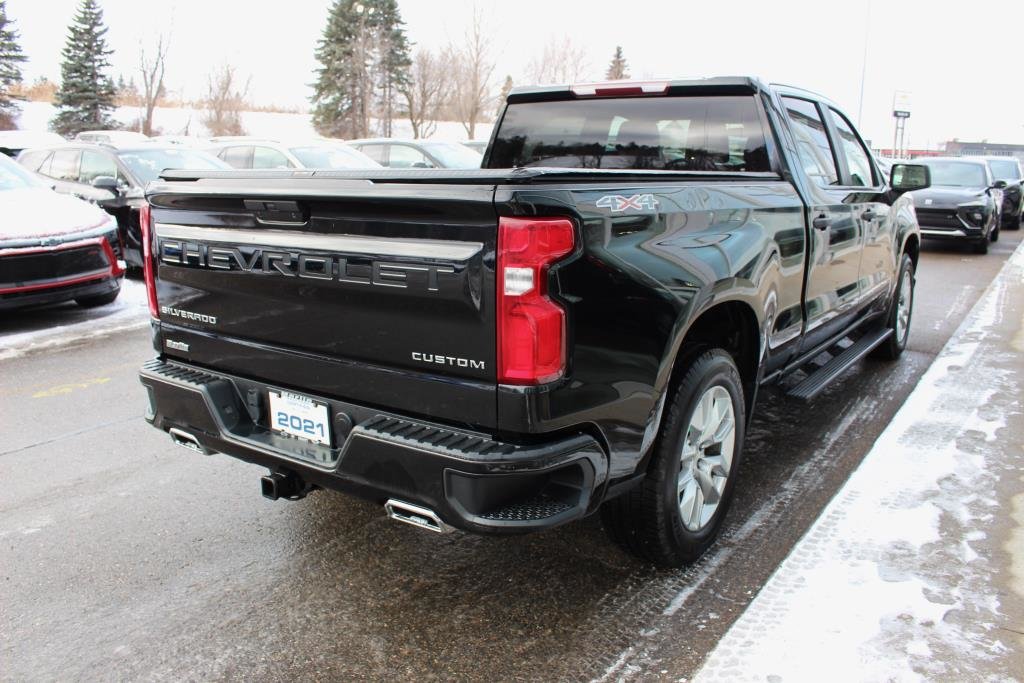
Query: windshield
(332, 156)
(148, 164)
(1004, 169)
(454, 155)
(14, 177)
(721, 133)
(957, 174)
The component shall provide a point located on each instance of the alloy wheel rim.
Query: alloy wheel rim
(903, 306)
(705, 461)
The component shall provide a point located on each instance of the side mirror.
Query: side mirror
(910, 177)
(999, 185)
(106, 182)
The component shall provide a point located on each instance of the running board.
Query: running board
(816, 383)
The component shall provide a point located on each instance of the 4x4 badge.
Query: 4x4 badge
(638, 202)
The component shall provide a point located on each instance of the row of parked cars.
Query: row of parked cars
(75, 249)
(95, 188)
(971, 199)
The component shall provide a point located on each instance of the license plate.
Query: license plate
(300, 416)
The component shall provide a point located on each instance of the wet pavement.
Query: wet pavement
(124, 557)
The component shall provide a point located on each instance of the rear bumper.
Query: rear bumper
(468, 479)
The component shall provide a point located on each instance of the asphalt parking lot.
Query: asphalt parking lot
(124, 557)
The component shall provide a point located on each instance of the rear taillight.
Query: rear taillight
(148, 267)
(531, 327)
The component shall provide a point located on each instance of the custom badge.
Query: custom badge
(637, 202)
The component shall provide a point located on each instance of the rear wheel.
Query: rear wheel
(98, 300)
(901, 311)
(1014, 223)
(675, 514)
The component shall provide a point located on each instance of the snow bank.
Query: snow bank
(893, 582)
(58, 326)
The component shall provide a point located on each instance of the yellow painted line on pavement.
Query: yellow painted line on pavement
(62, 389)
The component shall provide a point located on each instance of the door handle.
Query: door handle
(821, 222)
(869, 215)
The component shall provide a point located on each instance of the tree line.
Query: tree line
(369, 76)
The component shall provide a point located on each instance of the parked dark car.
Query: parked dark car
(1008, 169)
(114, 178)
(395, 153)
(963, 202)
(53, 247)
(511, 348)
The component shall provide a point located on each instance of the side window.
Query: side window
(812, 143)
(857, 159)
(237, 157)
(378, 153)
(95, 165)
(403, 156)
(33, 161)
(268, 157)
(64, 165)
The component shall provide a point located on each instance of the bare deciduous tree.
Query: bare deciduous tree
(152, 67)
(427, 89)
(472, 69)
(562, 61)
(224, 103)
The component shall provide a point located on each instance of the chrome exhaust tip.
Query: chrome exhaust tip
(415, 515)
(186, 440)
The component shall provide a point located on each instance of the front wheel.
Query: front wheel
(675, 514)
(901, 310)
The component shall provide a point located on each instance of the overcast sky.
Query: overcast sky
(962, 61)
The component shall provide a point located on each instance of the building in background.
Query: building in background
(984, 149)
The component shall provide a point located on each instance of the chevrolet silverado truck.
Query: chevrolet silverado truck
(582, 324)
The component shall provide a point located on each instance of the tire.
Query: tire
(898, 318)
(981, 246)
(649, 519)
(98, 300)
(1014, 223)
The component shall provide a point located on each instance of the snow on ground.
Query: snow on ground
(29, 330)
(35, 116)
(894, 581)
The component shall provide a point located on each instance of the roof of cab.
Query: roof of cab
(719, 85)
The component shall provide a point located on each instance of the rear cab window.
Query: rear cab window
(676, 133)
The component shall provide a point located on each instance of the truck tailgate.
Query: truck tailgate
(381, 294)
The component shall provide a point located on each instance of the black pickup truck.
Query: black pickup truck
(581, 324)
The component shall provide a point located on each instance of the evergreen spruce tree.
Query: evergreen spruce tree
(11, 58)
(617, 68)
(392, 60)
(86, 97)
(364, 58)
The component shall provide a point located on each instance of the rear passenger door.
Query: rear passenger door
(832, 289)
(866, 192)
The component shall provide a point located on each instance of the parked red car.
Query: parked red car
(53, 247)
